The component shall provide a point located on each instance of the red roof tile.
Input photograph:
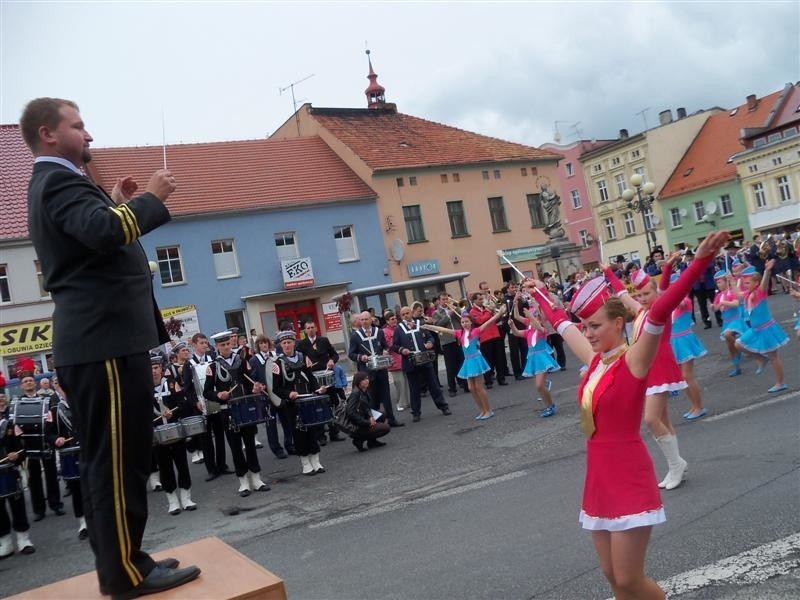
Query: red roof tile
(16, 164)
(239, 175)
(706, 162)
(386, 139)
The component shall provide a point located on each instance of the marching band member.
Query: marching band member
(291, 377)
(663, 377)
(491, 342)
(321, 356)
(11, 451)
(399, 378)
(65, 436)
(175, 372)
(261, 369)
(474, 365)
(733, 326)
(409, 339)
(239, 346)
(225, 379)
(169, 404)
(213, 452)
(368, 341)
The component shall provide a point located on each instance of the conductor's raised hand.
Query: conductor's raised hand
(162, 184)
(124, 189)
(712, 243)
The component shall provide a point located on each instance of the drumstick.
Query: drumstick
(158, 417)
(787, 280)
(6, 458)
(502, 255)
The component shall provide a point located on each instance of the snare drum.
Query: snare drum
(324, 378)
(314, 410)
(248, 410)
(30, 415)
(164, 435)
(379, 362)
(70, 462)
(193, 426)
(9, 480)
(423, 357)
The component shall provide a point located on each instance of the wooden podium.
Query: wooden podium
(226, 575)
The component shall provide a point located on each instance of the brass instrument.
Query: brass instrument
(797, 245)
(765, 247)
(783, 249)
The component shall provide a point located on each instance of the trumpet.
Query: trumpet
(783, 249)
(765, 248)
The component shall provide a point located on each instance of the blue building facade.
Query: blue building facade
(244, 270)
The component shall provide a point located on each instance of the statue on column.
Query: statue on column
(550, 203)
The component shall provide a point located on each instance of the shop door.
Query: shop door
(297, 313)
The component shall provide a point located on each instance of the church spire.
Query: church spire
(375, 91)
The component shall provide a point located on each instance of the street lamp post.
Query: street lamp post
(641, 201)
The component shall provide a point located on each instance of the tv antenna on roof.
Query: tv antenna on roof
(576, 131)
(643, 112)
(294, 100)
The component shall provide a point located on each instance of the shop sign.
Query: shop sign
(423, 267)
(24, 338)
(333, 320)
(297, 273)
(523, 254)
(187, 315)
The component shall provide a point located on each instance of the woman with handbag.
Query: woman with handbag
(367, 429)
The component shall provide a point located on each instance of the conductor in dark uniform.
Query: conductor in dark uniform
(104, 323)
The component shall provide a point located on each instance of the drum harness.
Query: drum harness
(291, 367)
(368, 338)
(161, 390)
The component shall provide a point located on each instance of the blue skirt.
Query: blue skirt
(473, 366)
(736, 325)
(540, 361)
(687, 347)
(764, 339)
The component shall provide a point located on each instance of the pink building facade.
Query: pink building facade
(576, 206)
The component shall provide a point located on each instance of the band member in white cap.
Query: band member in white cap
(225, 381)
(11, 451)
(290, 378)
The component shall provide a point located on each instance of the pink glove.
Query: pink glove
(613, 281)
(667, 302)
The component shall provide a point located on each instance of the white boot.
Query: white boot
(258, 485)
(307, 468)
(155, 482)
(244, 486)
(186, 499)
(677, 466)
(258, 443)
(197, 457)
(6, 546)
(315, 464)
(24, 544)
(174, 505)
(83, 532)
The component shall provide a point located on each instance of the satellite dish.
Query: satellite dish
(682, 212)
(711, 207)
(398, 250)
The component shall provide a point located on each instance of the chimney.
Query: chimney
(623, 134)
(752, 102)
(665, 117)
(681, 113)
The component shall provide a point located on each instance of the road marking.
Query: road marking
(750, 567)
(405, 503)
(738, 411)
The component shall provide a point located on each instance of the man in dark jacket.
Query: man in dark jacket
(105, 322)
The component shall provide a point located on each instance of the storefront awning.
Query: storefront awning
(396, 286)
(297, 291)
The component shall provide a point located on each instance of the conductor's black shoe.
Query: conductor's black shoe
(38, 516)
(159, 580)
(168, 563)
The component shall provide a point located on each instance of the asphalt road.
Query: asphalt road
(452, 508)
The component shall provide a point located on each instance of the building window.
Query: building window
(414, 229)
(584, 235)
(536, 210)
(5, 290)
(784, 189)
(412, 180)
(497, 212)
(758, 142)
(752, 168)
(456, 177)
(640, 171)
(496, 173)
(286, 245)
(457, 218)
(568, 168)
(630, 226)
(759, 195)
(576, 199)
(699, 211)
(615, 161)
(776, 161)
(620, 181)
(225, 263)
(43, 293)
(523, 171)
(400, 182)
(649, 218)
(635, 154)
(235, 318)
(443, 177)
(773, 137)
(485, 174)
(170, 265)
(597, 168)
(725, 205)
(602, 190)
(675, 217)
(534, 171)
(345, 239)
(611, 229)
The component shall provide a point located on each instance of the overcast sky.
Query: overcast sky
(504, 69)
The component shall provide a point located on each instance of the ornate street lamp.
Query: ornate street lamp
(641, 201)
